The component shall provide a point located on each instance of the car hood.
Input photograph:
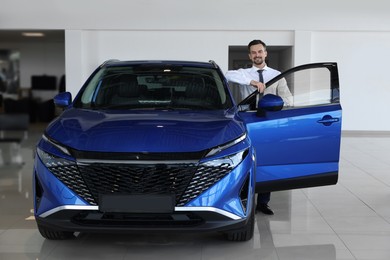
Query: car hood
(144, 131)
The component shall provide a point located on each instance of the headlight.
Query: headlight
(56, 145)
(226, 145)
(229, 162)
(53, 161)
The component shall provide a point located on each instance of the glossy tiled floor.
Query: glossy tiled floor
(350, 220)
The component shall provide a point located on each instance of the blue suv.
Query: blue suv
(163, 146)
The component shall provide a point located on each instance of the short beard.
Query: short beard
(258, 62)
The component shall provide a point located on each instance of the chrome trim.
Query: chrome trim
(83, 207)
(68, 207)
(225, 146)
(212, 209)
(89, 161)
(59, 147)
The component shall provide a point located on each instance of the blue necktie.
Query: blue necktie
(261, 79)
(260, 112)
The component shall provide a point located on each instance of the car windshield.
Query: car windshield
(155, 87)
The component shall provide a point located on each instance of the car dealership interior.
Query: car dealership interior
(56, 45)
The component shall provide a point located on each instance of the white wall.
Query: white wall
(363, 61)
(356, 34)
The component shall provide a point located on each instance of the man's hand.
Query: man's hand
(256, 84)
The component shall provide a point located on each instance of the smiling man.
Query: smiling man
(250, 79)
(255, 77)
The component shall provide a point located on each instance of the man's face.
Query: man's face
(257, 54)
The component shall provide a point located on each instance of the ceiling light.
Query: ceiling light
(33, 34)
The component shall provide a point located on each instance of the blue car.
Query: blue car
(163, 146)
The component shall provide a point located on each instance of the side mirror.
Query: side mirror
(63, 99)
(269, 102)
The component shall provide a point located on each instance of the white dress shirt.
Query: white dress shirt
(243, 77)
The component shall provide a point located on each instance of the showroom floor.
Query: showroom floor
(350, 220)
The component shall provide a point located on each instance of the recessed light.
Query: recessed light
(33, 34)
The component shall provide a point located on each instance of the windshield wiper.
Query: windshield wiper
(117, 106)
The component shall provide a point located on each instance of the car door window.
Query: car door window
(309, 85)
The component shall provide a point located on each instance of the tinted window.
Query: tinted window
(155, 87)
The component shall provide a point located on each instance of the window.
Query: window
(178, 87)
(311, 87)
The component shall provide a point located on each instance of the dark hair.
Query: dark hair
(255, 42)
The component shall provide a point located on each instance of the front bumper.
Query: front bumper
(89, 219)
(216, 203)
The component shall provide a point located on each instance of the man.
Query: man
(254, 78)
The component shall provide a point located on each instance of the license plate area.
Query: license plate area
(151, 203)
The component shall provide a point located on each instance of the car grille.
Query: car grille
(186, 181)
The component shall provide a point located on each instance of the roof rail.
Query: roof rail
(109, 61)
(214, 64)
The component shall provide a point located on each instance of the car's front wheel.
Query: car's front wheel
(54, 234)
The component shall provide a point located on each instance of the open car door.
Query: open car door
(297, 146)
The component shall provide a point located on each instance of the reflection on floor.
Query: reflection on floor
(350, 220)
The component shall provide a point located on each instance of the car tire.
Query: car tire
(246, 232)
(55, 234)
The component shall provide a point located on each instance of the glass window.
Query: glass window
(310, 87)
(155, 87)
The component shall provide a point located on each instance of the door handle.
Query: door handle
(327, 120)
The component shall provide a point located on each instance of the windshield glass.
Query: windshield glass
(155, 87)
